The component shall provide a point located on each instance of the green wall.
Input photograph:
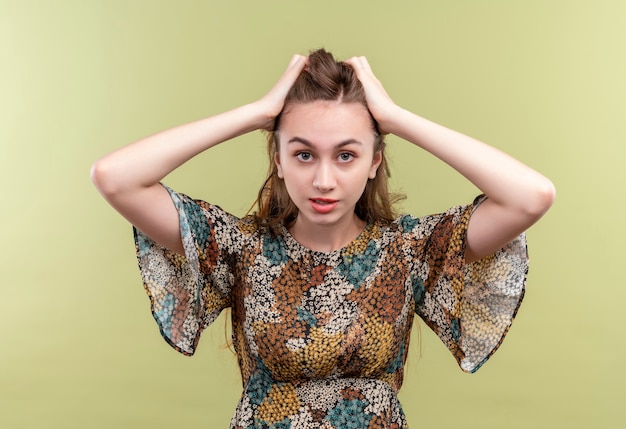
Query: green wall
(540, 79)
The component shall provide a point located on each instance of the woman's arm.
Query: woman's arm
(128, 178)
(518, 195)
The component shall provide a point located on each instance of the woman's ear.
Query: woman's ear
(376, 160)
(279, 169)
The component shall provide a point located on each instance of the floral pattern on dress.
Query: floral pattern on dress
(322, 337)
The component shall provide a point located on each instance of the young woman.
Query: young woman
(323, 280)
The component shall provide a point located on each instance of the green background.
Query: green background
(542, 80)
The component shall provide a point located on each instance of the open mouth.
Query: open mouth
(323, 205)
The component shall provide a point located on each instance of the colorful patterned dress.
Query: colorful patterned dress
(322, 337)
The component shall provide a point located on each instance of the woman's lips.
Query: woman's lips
(323, 205)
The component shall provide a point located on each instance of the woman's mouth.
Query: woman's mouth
(323, 205)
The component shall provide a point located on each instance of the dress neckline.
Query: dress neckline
(295, 244)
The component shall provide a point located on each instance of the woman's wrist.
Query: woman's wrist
(260, 116)
(391, 122)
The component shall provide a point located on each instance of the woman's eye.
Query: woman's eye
(345, 156)
(303, 156)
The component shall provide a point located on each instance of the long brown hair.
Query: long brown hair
(324, 78)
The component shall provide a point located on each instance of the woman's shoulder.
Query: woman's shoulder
(416, 226)
(404, 223)
(250, 226)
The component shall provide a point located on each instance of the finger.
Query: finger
(361, 67)
(365, 64)
(295, 67)
(297, 62)
(354, 62)
(358, 62)
(296, 59)
(274, 99)
(289, 76)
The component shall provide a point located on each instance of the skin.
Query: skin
(326, 156)
(129, 178)
(517, 195)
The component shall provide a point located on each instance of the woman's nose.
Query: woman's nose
(324, 178)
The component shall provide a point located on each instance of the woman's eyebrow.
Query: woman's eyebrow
(309, 144)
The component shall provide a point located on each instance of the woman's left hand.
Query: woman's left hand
(518, 195)
(379, 102)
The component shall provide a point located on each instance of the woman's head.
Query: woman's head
(324, 78)
(326, 87)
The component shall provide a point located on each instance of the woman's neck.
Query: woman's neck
(326, 238)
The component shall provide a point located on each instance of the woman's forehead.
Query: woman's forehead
(326, 119)
(325, 106)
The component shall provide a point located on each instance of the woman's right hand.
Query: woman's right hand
(273, 102)
(128, 178)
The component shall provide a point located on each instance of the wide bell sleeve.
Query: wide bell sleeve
(188, 292)
(470, 306)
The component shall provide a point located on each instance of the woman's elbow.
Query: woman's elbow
(543, 197)
(103, 178)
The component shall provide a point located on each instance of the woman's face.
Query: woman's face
(326, 155)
